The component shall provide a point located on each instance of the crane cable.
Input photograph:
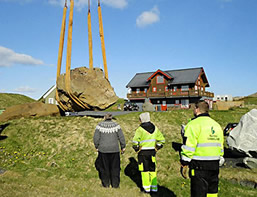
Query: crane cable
(101, 31)
(90, 43)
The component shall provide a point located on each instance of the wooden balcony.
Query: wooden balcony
(170, 94)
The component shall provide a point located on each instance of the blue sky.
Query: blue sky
(140, 36)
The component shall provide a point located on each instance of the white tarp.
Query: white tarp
(244, 136)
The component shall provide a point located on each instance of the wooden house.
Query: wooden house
(49, 96)
(171, 88)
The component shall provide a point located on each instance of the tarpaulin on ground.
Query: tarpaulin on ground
(244, 136)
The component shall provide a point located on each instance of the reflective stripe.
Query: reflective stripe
(206, 157)
(188, 148)
(212, 195)
(135, 142)
(184, 158)
(147, 148)
(209, 145)
(151, 140)
(222, 150)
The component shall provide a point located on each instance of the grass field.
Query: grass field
(54, 156)
(7, 100)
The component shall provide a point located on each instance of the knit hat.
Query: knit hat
(108, 116)
(145, 117)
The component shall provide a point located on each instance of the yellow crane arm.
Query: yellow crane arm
(90, 43)
(102, 39)
(60, 53)
(68, 61)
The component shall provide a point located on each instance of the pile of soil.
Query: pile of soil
(36, 109)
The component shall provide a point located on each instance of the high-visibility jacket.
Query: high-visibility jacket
(204, 140)
(146, 140)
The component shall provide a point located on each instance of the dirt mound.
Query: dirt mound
(90, 86)
(28, 110)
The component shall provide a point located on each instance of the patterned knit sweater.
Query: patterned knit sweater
(108, 135)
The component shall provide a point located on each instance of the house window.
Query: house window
(166, 89)
(51, 101)
(176, 102)
(185, 103)
(129, 90)
(138, 90)
(184, 87)
(154, 89)
(174, 88)
(159, 79)
(145, 90)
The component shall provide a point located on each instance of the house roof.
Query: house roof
(181, 76)
(49, 91)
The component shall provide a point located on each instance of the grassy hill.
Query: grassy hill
(253, 95)
(54, 156)
(7, 100)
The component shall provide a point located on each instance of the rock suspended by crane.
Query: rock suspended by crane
(82, 88)
(89, 86)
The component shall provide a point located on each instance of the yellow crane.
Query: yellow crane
(69, 47)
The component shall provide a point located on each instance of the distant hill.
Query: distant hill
(253, 95)
(8, 99)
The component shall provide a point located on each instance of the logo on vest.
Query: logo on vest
(212, 130)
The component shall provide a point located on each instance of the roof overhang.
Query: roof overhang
(159, 71)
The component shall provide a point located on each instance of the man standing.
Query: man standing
(202, 150)
(108, 135)
(147, 140)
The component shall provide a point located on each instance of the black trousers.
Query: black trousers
(108, 167)
(204, 182)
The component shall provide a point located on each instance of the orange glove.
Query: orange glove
(184, 171)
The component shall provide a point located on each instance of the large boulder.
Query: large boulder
(36, 109)
(89, 86)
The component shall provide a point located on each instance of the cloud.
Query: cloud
(116, 3)
(9, 58)
(56, 2)
(24, 89)
(148, 17)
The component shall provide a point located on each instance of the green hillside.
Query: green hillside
(250, 100)
(7, 100)
(54, 156)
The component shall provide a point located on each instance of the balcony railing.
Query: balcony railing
(170, 94)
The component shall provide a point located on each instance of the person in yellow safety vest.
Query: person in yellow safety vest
(147, 140)
(202, 151)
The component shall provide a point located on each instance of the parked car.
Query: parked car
(128, 106)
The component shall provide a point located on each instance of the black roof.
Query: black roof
(181, 76)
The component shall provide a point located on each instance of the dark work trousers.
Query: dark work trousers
(204, 182)
(108, 167)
